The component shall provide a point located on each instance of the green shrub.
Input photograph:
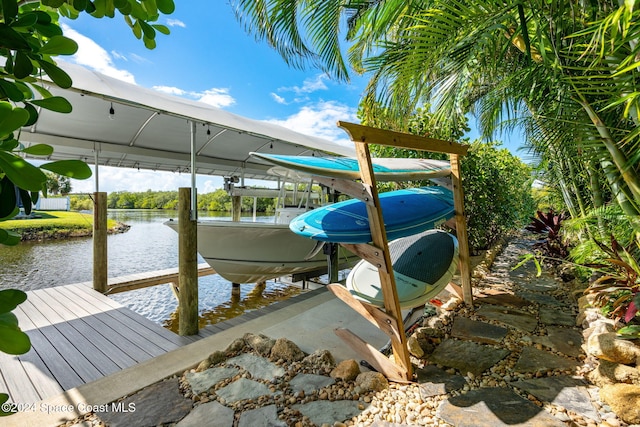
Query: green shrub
(498, 198)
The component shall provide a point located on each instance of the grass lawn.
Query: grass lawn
(54, 222)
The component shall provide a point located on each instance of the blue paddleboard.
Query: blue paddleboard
(405, 212)
(385, 169)
(423, 265)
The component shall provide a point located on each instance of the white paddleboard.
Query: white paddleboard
(423, 265)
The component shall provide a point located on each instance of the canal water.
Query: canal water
(147, 246)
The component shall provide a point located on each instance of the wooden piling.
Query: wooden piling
(188, 265)
(236, 207)
(100, 271)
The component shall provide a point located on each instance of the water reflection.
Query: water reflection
(251, 297)
(147, 246)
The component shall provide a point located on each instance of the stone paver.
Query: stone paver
(258, 367)
(160, 403)
(467, 356)
(203, 381)
(309, 383)
(434, 381)
(203, 415)
(482, 332)
(533, 360)
(518, 319)
(493, 408)
(322, 411)
(565, 340)
(266, 416)
(553, 316)
(570, 393)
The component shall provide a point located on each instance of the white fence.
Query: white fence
(54, 204)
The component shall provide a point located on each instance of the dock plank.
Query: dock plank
(55, 363)
(88, 327)
(81, 342)
(16, 380)
(139, 348)
(154, 333)
(78, 361)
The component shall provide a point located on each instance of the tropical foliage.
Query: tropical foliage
(31, 38)
(563, 72)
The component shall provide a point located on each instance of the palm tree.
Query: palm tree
(565, 70)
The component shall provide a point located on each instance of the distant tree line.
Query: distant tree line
(217, 201)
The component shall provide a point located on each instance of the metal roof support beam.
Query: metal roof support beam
(194, 196)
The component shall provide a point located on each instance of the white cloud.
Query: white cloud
(310, 85)
(278, 98)
(126, 179)
(176, 23)
(170, 90)
(320, 120)
(218, 97)
(92, 55)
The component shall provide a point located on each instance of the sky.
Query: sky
(209, 57)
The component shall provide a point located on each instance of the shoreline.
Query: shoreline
(39, 234)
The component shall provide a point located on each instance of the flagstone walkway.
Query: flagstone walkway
(514, 360)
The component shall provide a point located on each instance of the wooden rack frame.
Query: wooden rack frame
(390, 320)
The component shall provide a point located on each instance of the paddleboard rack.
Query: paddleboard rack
(390, 319)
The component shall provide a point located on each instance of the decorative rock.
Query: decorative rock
(262, 344)
(611, 373)
(372, 381)
(235, 346)
(624, 399)
(320, 358)
(287, 350)
(346, 370)
(203, 414)
(217, 357)
(609, 347)
(414, 347)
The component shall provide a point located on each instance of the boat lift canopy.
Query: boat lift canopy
(115, 123)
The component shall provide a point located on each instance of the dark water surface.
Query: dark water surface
(147, 246)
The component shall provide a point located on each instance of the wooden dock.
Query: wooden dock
(79, 335)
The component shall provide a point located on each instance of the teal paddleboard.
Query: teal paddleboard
(423, 265)
(385, 169)
(405, 212)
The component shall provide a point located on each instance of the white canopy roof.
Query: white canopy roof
(151, 130)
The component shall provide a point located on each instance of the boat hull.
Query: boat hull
(252, 252)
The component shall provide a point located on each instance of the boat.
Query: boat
(253, 251)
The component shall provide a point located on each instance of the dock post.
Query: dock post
(100, 271)
(236, 208)
(188, 265)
